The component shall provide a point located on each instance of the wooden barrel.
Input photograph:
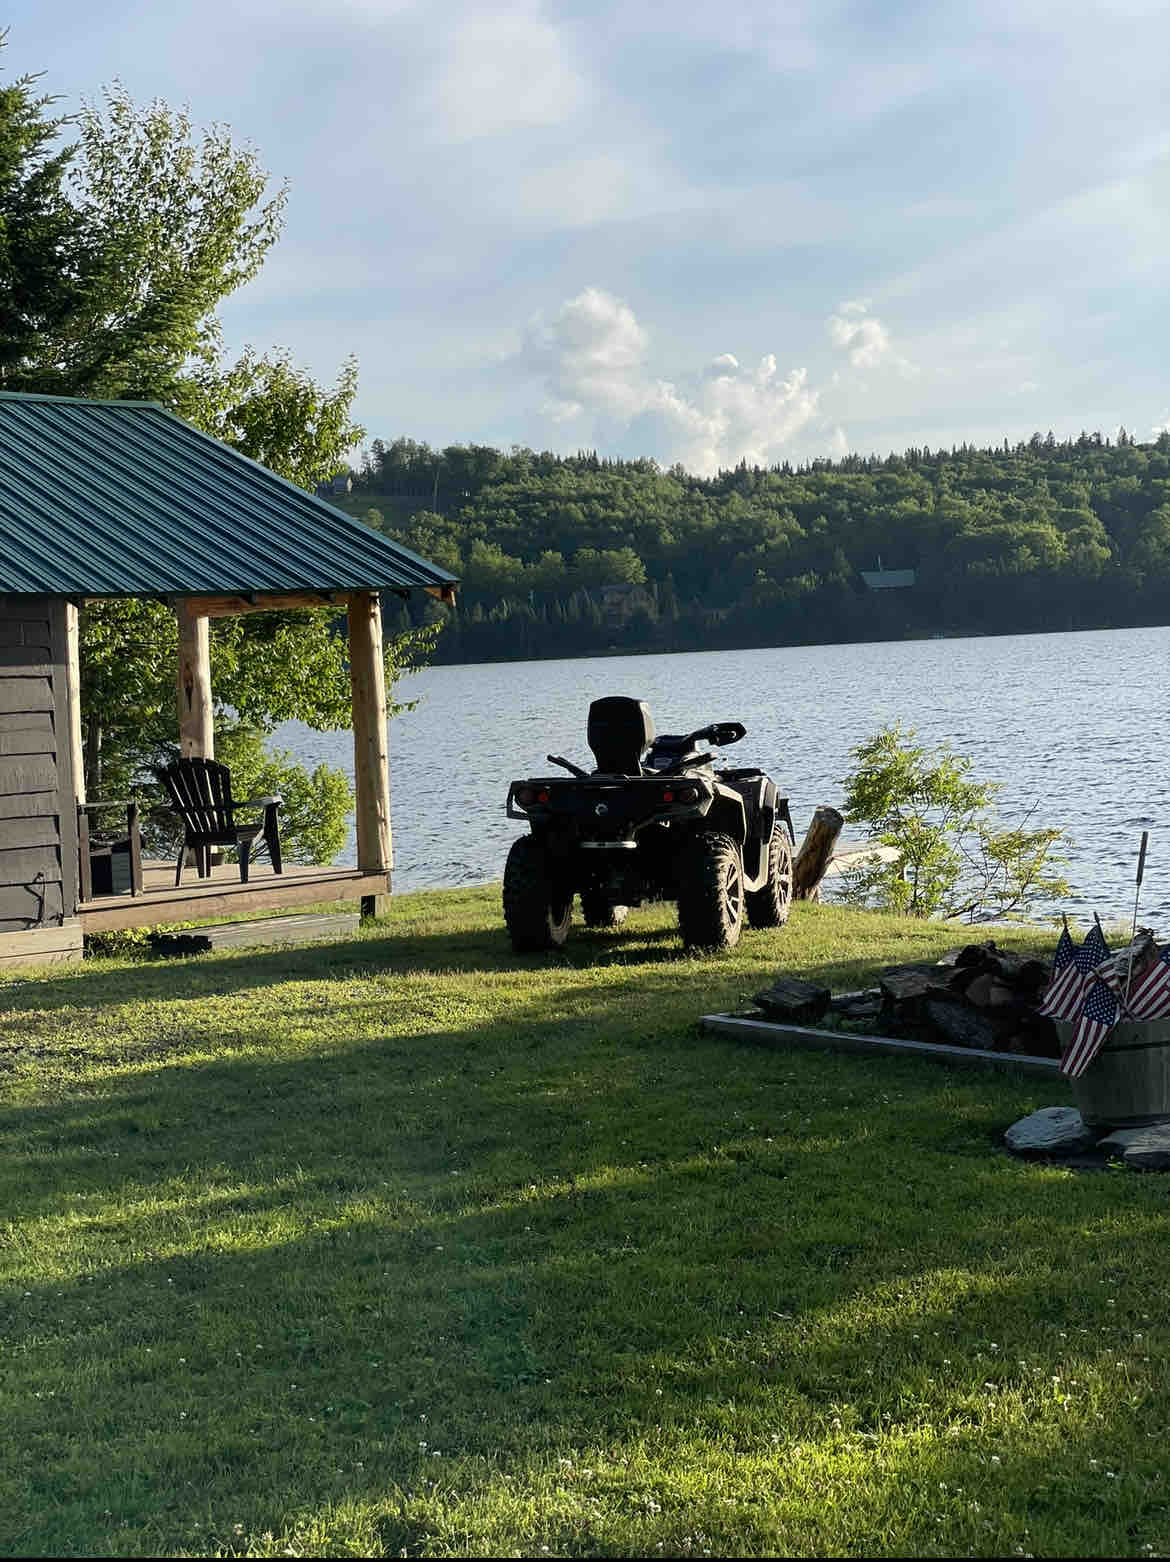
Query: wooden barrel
(1127, 1085)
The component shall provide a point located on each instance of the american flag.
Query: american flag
(1070, 973)
(1149, 998)
(1128, 967)
(1097, 1019)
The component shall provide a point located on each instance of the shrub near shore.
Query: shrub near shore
(408, 1245)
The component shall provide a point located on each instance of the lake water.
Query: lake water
(1071, 724)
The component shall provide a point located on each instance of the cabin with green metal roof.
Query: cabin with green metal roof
(124, 499)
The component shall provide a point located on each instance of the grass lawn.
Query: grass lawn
(406, 1245)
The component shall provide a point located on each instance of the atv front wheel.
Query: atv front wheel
(710, 893)
(599, 911)
(770, 905)
(536, 910)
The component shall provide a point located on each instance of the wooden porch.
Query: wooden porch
(222, 895)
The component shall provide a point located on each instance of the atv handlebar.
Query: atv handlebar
(721, 733)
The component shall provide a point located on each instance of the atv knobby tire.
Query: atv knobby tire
(710, 892)
(769, 906)
(599, 911)
(536, 911)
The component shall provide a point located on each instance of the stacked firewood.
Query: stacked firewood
(977, 996)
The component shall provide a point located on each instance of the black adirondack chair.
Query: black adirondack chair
(201, 794)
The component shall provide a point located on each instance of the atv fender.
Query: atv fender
(726, 815)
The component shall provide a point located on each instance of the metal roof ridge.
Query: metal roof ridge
(85, 401)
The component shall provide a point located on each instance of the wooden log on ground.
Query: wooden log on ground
(798, 1002)
(816, 852)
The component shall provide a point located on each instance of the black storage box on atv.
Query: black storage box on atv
(655, 821)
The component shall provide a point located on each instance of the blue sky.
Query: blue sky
(694, 231)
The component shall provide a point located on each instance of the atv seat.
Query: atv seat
(620, 731)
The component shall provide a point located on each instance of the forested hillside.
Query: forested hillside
(576, 555)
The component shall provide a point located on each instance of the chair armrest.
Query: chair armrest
(260, 802)
(109, 802)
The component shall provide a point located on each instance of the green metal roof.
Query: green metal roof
(122, 498)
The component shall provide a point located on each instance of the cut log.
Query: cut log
(800, 1003)
(816, 852)
(965, 1027)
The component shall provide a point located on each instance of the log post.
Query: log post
(196, 728)
(371, 745)
(73, 699)
(815, 854)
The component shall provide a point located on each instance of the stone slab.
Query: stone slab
(1053, 1130)
(303, 929)
(1145, 1149)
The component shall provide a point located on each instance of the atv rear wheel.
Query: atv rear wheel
(769, 906)
(599, 911)
(536, 909)
(710, 892)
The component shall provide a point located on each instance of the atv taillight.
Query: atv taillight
(686, 794)
(525, 795)
(542, 797)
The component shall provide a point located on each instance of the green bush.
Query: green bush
(955, 859)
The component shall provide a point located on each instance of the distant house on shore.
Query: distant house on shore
(888, 579)
(336, 487)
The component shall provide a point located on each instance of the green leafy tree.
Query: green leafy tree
(41, 250)
(954, 859)
(117, 253)
(173, 222)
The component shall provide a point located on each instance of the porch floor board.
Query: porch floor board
(222, 895)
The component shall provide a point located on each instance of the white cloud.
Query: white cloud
(504, 68)
(592, 356)
(864, 338)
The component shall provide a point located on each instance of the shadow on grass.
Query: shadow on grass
(576, 1225)
(699, 1282)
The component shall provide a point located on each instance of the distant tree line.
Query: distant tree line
(1042, 534)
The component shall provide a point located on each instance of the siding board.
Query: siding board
(22, 946)
(21, 773)
(22, 657)
(42, 831)
(29, 805)
(22, 864)
(24, 631)
(28, 740)
(20, 906)
(25, 694)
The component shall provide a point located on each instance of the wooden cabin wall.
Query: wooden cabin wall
(38, 816)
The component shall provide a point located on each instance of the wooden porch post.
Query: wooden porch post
(73, 698)
(196, 730)
(371, 746)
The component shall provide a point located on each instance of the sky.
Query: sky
(698, 232)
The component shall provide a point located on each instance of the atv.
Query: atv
(655, 821)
